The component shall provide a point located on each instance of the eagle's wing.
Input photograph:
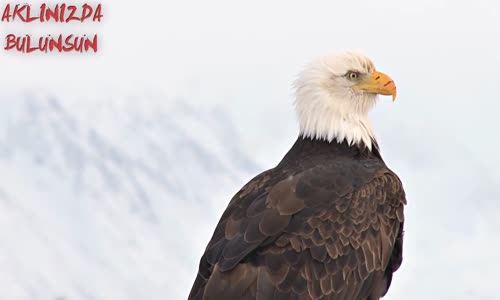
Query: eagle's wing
(332, 231)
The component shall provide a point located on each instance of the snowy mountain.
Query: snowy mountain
(110, 199)
(115, 197)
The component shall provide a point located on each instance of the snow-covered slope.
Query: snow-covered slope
(110, 198)
(115, 197)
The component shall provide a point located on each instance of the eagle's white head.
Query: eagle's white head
(334, 95)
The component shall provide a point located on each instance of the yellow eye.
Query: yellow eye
(352, 75)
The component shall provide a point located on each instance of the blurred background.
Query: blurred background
(115, 167)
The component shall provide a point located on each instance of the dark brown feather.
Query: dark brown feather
(326, 223)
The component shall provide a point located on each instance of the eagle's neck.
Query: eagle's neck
(311, 148)
(355, 130)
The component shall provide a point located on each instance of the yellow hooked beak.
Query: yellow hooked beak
(378, 83)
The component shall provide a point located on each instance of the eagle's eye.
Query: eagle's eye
(352, 75)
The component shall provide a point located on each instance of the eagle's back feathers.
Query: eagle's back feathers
(326, 223)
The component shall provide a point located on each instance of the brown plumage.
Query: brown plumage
(325, 223)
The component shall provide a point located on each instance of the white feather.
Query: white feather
(326, 105)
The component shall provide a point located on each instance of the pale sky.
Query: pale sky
(203, 44)
(246, 54)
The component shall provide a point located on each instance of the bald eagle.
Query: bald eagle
(327, 221)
